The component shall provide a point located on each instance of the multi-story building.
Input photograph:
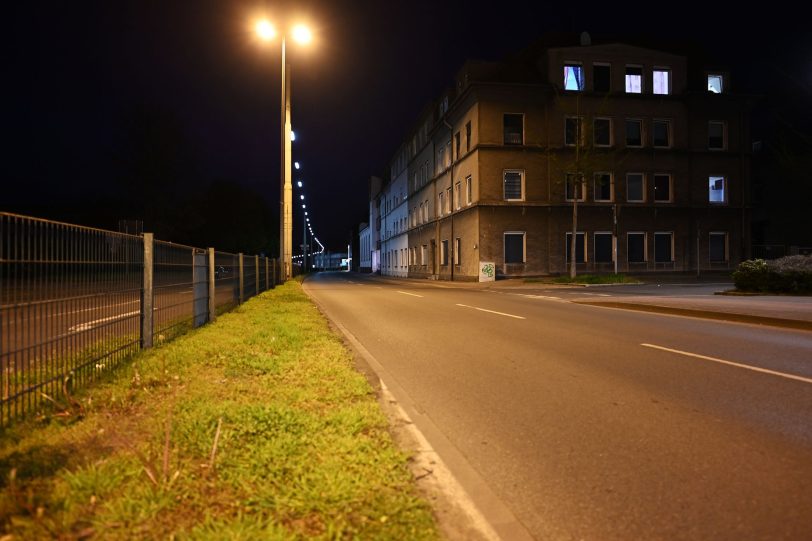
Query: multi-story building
(364, 248)
(394, 213)
(375, 184)
(652, 155)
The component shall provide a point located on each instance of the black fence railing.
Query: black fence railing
(76, 302)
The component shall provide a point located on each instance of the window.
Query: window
(467, 136)
(716, 190)
(601, 78)
(513, 128)
(634, 79)
(457, 195)
(575, 185)
(444, 252)
(634, 132)
(421, 213)
(636, 247)
(513, 185)
(457, 144)
(602, 132)
(715, 83)
(662, 188)
(580, 247)
(426, 211)
(573, 77)
(603, 246)
(717, 247)
(457, 245)
(661, 81)
(468, 190)
(662, 133)
(663, 247)
(440, 205)
(514, 247)
(424, 251)
(716, 135)
(635, 188)
(573, 131)
(603, 188)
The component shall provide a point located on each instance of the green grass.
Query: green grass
(304, 450)
(596, 279)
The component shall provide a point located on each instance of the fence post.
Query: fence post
(200, 287)
(146, 293)
(256, 273)
(267, 280)
(212, 299)
(242, 279)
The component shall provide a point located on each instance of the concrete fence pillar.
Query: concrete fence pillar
(212, 289)
(147, 292)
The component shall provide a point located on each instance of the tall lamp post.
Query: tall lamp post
(266, 31)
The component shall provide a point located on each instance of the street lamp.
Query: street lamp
(266, 31)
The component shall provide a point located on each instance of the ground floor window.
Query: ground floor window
(514, 247)
(636, 247)
(663, 247)
(580, 247)
(457, 245)
(717, 245)
(444, 252)
(603, 246)
(424, 251)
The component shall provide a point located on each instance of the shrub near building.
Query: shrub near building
(792, 274)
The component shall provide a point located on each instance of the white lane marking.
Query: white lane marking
(595, 294)
(491, 311)
(541, 297)
(406, 293)
(91, 324)
(731, 363)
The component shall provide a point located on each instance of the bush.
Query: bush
(792, 274)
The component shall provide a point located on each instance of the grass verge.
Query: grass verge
(254, 427)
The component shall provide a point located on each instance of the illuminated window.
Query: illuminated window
(635, 188)
(715, 82)
(601, 77)
(717, 192)
(604, 187)
(602, 132)
(573, 77)
(573, 186)
(661, 81)
(717, 247)
(513, 128)
(634, 79)
(636, 247)
(662, 188)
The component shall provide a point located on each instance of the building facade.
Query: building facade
(652, 158)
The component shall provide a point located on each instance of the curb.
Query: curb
(796, 324)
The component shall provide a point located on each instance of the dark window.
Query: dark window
(603, 187)
(513, 185)
(573, 131)
(662, 137)
(718, 247)
(603, 247)
(575, 184)
(513, 129)
(602, 132)
(663, 248)
(467, 136)
(457, 250)
(580, 252)
(514, 247)
(634, 187)
(444, 252)
(662, 188)
(636, 250)
(601, 77)
(457, 143)
(716, 135)
(634, 133)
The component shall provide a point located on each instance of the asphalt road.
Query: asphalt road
(597, 423)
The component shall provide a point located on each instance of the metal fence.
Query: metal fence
(76, 302)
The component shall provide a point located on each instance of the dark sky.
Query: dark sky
(80, 71)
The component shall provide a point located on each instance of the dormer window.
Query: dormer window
(715, 83)
(573, 77)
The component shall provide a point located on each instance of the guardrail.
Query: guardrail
(76, 302)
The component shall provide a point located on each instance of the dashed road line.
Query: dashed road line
(407, 293)
(730, 363)
(491, 311)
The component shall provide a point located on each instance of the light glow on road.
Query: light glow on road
(730, 363)
(491, 311)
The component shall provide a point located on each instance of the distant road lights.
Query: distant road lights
(304, 206)
(302, 34)
(265, 30)
(296, 165)
(292, 135)
(299, 183)
(301, 197)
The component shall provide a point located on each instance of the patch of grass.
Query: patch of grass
(254, 427)
(596, 279)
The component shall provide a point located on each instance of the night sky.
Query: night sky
(103, 94)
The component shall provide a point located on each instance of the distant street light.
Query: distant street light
(266, 31)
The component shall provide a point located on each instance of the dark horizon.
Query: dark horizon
(142, 110)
